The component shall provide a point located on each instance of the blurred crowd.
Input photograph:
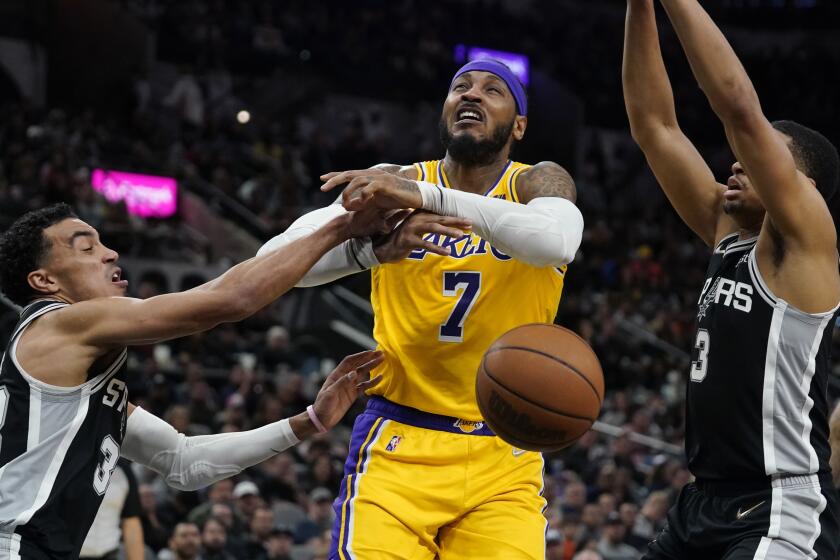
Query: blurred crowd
(631, 291)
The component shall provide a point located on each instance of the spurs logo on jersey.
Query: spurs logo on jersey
(725, 292)
(58, 449)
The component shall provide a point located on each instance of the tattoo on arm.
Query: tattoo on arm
(545, 179)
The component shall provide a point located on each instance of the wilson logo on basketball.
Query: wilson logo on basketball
(521, 422)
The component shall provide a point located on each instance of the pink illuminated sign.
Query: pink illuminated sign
(148, 196)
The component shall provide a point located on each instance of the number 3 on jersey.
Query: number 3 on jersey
(469, 286)
(698, 367)
(111, 454)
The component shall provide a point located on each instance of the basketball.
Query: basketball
(540, 387)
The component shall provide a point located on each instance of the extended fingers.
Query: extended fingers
(367, 359)
(335, 178)
(365, 385)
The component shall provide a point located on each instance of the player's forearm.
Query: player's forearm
(132, 534)
(189, 463)
(648, 96)
(253, 284)
(545, 232)
(349, 257)
(715, 65)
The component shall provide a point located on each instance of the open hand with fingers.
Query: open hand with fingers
(408, 236)
(343, 386)
(375, 188)
(373, 221)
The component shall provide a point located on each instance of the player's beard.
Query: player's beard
(732, 207)
(468, 151)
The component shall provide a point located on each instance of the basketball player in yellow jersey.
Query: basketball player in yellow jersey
(425, 478)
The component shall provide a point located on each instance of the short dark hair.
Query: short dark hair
(815, 156)
(23, 248)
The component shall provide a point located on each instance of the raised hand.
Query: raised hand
(346, 382)
(374, 188)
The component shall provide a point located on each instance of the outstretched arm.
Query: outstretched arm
(796, 209)
(546, 231)
(381, 243)
(679, 168)
(189, 463)
(104, 323)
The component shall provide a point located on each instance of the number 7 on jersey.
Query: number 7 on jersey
(469, 286)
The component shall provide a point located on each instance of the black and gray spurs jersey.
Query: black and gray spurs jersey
(756, 404)
(58, 448)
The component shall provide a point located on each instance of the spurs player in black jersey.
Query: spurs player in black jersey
(757, 415)
(64, 414)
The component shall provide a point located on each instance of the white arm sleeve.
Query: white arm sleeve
(190, 463)
(352, 256)
(545, 232)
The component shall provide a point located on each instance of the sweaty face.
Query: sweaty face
(78, 265)
(479, 118)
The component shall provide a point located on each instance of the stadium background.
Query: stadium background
(246, 103)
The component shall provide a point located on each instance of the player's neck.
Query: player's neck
(474, 179)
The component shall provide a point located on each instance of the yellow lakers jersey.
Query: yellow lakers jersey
(436, 316)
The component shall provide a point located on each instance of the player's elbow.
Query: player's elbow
(649, 133)
(550, 237)
(183, 485)
(739, 105)
(223, 305)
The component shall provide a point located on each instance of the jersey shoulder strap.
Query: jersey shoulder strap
(34, 310)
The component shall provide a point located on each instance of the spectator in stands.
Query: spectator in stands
(651, 518)
(220, 492)
(571, 534)
(554, 545)
(214, 541)
(592, 519)
(248, 499)
(260, 528)
(612, 545)
(184, 544)
(118, 519)
(320, 515)
(280, 544)
(155, 534)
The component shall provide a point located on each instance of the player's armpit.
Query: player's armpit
(545, 179)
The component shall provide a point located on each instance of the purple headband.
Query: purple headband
(506, 74)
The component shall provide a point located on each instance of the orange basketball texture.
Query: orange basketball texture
(540, 387)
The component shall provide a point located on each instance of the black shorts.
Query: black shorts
(796, 518)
